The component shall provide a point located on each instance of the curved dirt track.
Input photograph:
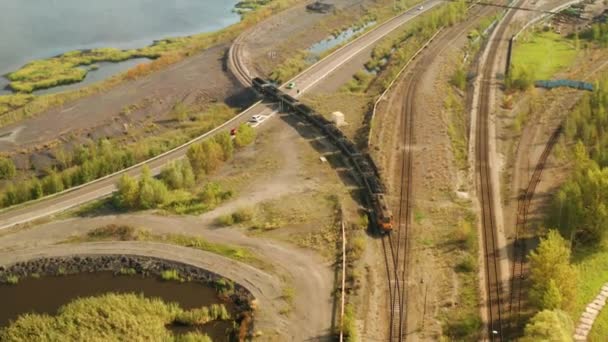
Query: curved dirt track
(303, 270)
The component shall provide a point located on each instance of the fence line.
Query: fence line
(343, 280)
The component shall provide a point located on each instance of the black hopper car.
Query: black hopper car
(365, 168)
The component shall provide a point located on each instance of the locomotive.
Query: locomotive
(365, 167)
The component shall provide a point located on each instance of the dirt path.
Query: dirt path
(277, 165)
(309, 275)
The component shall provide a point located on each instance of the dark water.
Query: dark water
(34, 29)
(333, 41)
(47, 294)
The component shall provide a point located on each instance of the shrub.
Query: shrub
(242, 215)
(225, 220)
(114, 231)
(225, 141)
(466, 264)
(244, 136)
(12, 279)
(7, 168)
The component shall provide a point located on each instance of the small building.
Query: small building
(338, 118)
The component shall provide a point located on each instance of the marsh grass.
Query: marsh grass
(124, 317)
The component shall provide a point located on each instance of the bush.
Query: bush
(242, 215)
(225, 220)
(178, 175)
(7, 168)
(244, 136)
(467, 264)
(459, 78)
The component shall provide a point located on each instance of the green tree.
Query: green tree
(244, 135)
(172, 176)
(225, 141)
(213, 155)
(35, 188)
(554, 326)
(52, 183)
(552, 298)
(152, 192)
(7, 168)
(551, 273)
(128, 192)
(10, 196)
(196, 156)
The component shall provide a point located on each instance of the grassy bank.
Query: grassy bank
(127, 233)
(124, 317)
(66, 68)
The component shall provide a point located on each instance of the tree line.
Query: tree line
(201, 160)
(579, 215)
(94, 160)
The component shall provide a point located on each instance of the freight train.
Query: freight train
(365, 167)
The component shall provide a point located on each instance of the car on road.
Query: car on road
(291, 85)
(233, 131)
(420, 8)
(256, 119)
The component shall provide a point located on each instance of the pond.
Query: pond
(47, 294)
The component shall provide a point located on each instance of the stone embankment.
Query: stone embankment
(53, 266)
(590, 314)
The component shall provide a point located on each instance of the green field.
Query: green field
(543, 54)
(593, 273)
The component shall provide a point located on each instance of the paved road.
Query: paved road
(105, 186)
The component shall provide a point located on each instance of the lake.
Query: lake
(35, 29)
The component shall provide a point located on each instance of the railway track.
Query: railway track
(398, 241)
(518, 271)
(396, 245)
(495, 328)
(236, 64)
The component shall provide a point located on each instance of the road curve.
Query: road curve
(107, 185)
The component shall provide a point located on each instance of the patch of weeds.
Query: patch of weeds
(467, 264)
(12, 279)
(171, 275)
(127, 271)
(418, 216)
(224, 286)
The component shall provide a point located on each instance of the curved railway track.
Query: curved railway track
(236, 64)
